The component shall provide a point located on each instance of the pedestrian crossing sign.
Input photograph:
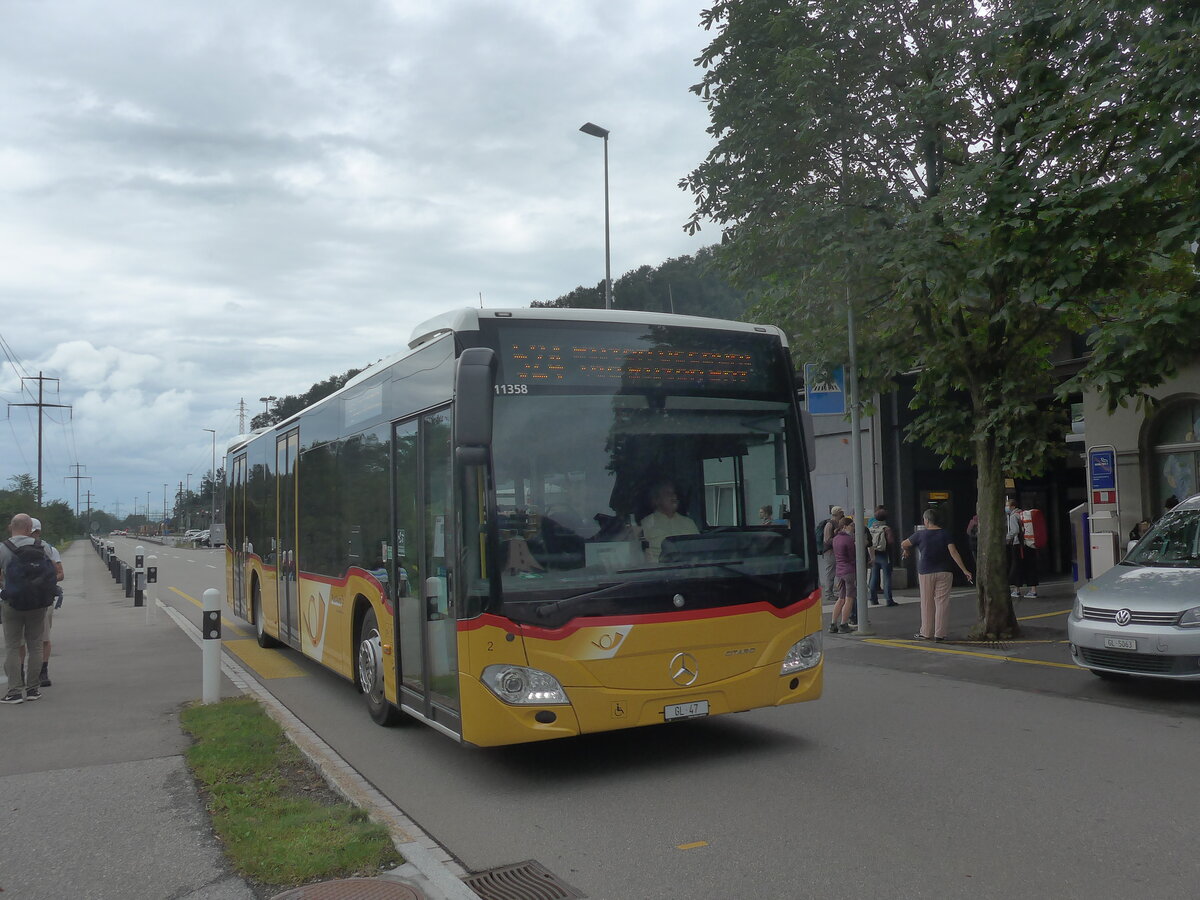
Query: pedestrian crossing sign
(826, 396)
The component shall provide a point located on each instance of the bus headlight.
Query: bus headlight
(803, 655)
(522, 686)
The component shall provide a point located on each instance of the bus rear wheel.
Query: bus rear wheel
(370, 672)
(260, 629)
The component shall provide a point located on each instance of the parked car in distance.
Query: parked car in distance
(191, 534)
(202, 537)
(1142, 616)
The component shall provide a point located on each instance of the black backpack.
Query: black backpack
(30, 578)
(820, 535)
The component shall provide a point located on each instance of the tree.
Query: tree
(688, 285)
(978, 180)
(293, 403)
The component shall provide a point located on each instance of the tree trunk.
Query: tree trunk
(997, 620)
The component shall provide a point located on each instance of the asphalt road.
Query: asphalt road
(916, 775)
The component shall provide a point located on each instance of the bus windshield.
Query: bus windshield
(605, 500)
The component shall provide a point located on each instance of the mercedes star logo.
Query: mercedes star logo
(1123, 616)
(684, 669)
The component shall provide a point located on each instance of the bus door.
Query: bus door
(235, 538)
(287, 448)
(426, 617)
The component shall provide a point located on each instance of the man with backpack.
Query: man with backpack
(1026, 536)
(30, 582)
(881, 542)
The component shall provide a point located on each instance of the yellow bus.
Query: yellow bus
(536, 523)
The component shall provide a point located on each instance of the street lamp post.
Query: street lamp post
(597, 131)
(162, 529)
(266, 402)
(187, 502)
(212, 510)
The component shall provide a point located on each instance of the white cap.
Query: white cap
(37, 524)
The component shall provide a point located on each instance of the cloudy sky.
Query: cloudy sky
(209, 202)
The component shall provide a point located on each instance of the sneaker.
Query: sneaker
(833, 628)
(844, 628)
(13, 697)
(32, 694)
(1015, 593)
(919, 637)
(1032, 595)
(45, 681)
(939, 640)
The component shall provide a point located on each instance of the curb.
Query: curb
(428, 864)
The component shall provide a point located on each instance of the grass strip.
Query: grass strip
(279, 821)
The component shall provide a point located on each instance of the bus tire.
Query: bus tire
(369, 671)
(260, 629)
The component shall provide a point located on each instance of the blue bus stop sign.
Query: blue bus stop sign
(826, 397)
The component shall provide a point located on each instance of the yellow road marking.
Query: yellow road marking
(267, 663)
(225, 623)
(692, 846)
(1061, 612)
(905, 645)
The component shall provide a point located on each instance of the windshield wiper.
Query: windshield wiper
(727, 564)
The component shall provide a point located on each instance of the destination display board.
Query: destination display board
(671, 359)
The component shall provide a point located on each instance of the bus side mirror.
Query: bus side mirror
(474, 393)
(810, 438)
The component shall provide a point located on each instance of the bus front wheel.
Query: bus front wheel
(370, 672)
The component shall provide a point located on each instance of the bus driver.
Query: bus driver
(666, 520)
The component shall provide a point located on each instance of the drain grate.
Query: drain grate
(527, 880)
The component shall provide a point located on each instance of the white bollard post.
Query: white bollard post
(139, 575)
(152, 590)
(211, 632)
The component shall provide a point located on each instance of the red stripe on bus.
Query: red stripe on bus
(345, 579)
(558, 634)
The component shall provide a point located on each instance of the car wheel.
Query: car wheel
(264, 640)
(370, 672)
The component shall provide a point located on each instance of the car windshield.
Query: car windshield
(1173, 541)
(608, 496)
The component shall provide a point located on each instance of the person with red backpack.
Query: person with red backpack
(1026, 537)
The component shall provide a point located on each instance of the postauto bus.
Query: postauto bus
(460, 530)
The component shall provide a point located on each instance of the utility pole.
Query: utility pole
(89, 515)
(41, 380)
(77, 478)
(242, 415)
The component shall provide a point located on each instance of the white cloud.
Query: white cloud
(205, 204)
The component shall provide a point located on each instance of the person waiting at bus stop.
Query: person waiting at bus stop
(934, 574)
(666, 520)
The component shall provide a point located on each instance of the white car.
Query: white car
(1142, 616)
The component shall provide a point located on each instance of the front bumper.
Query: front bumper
(1159, 651)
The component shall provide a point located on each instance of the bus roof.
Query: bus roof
(467, 319)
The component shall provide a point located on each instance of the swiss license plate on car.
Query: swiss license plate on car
(1119, 644)
(694, 710)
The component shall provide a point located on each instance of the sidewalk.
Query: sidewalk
(1041, 619)
(92, 776)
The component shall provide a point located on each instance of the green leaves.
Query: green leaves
(972, 180)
